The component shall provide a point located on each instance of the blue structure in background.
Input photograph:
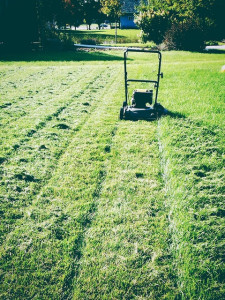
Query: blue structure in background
(127, 21)
(128, 10)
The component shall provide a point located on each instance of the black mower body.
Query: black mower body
(148, 113)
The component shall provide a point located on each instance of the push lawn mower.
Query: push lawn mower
(141, 107)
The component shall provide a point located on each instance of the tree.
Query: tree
(113, 9)
(90, 11)
(98, 15)
(183, 24)
(74, 11)
(61, 11)
(18, 21)
(154, 23)
(52, 10)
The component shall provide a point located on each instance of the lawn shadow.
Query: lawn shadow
(73, 55)
(213, 51)
(175, 115)
(206, 128)
(93, 34)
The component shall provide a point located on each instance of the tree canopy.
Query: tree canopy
(183, 23)
(112, 8)
(18, 27)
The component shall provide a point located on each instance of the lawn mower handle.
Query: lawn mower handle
(139, 80)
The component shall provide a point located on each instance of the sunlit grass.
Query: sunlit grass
(104, 36)
(97, 208)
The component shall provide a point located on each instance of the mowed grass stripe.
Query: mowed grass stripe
(126, 251)
(23, 128)
(35, 161)
(36, 91)
(45, 102)
(30, 88)
(40, 257)
(16, 77)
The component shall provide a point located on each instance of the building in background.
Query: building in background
(128, 10)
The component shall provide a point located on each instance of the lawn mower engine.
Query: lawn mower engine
(141, 107)
(142, 97)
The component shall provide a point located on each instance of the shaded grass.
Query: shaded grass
(59, 56)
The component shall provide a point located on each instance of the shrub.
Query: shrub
(153, 27)
(182, 24)
(185, 36)
(88, 42)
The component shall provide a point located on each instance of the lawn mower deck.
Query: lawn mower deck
(141, 106)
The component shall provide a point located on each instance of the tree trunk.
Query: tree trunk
(116, 32)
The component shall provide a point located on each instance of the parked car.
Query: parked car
(104, 26)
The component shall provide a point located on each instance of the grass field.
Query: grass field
(97, 208)
(103, 36)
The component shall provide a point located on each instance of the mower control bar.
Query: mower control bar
(142, 50)
(139, 80)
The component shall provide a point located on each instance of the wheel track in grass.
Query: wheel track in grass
(23, 105)
(49, 86)
(19, 193)
(23, 73)
(44, 244)
(15, 131)
(16, 83)
(67, 286)
(11, 73)
(47, 118)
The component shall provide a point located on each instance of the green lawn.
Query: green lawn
(97, 208)
(103, 36)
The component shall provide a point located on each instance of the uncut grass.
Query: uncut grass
(126, 250)
(41, 255)
(33, 163)
(192, 149)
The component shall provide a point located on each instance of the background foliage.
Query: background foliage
(182, 24)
